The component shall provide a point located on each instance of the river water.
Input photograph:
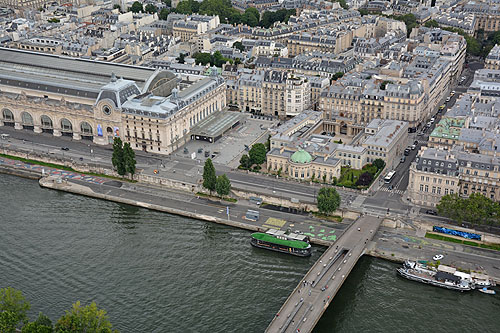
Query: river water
(155, 272)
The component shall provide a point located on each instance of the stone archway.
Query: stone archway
(8, 117)
(47, 124)
(343, 128)
(86, 131)
(66, 127)
(27, 121)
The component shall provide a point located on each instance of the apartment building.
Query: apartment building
(492, 61)
(434, 173)
(270, 92)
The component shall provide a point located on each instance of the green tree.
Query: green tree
(431, 24)
(251, 17)
(116, 6)
(239, 46)
(187, 7)
(129, 159)
(222, 185)
(150, 8)
(257, 153)
(181, 58)
(245, 162)
(86, 319)
(168, 2)
(342, 3)
(237, 61)
(136, 7)
(328, 200)
(384, 84)
(379, 163)
(202, 58)
(42, 324)
(13, 309)
(164, 12)
(118, 158)
(209, 178)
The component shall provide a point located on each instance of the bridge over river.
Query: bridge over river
(304, 307)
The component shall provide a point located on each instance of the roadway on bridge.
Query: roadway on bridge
(304, 307)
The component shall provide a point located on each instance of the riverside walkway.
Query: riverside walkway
(304, 307)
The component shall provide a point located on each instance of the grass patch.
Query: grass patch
(490, 246)
(464, 242)
(334, 218)
(49, 165)
(63, 167)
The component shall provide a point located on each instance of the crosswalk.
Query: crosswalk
(385, 189)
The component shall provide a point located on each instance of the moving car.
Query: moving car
(447, 99)
(438, 257)
(65, 148)
(430, 212)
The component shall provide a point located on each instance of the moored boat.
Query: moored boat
(487, 291)
(281, 241)
(413, 271)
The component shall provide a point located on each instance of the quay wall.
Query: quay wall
(50, 182)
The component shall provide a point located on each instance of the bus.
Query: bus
(389, 177)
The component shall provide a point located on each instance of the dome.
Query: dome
(301, 156)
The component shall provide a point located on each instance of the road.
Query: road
(304, 307)
(176, 166)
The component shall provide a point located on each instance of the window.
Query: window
(421, 187)
(426, 188)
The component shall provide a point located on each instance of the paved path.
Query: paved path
(304, 307)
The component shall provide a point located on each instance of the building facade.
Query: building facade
(152, 110)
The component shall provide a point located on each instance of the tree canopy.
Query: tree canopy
(13, 309)
(379, 163)
(42, 324)
(209, 178)
(129, 159)
(136, 7)
(328, 200)
(150, 8)
(476, 209)
(222, 185)
(257, 153)
(215, 59)
(118, 157)
(245, 162)
(281, 15)
(84, 319)
(239, 46)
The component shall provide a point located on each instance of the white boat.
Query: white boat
(487, 291)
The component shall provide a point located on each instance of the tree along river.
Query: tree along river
(155, 272)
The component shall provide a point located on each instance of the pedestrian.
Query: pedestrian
(299, 291)
(309, 292)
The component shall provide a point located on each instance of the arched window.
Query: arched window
(85, 128)
(7, 115)
(66, 125)
(46, 122)
(27, 119)
(109, 130)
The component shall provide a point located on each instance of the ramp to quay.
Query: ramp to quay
(305, 305)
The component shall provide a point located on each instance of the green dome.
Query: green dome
(301, 156)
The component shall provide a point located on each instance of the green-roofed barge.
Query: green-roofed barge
(281, 241)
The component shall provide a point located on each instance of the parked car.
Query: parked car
(413, 147)
(407, 152)
(403, 159)
(415, 142)
(431, 212)
(433, 120)
(447, 99)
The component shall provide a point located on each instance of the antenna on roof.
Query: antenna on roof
(113, 77)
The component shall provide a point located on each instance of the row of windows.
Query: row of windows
(435, 190)
(437, 180)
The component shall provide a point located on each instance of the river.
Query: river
(155, 272)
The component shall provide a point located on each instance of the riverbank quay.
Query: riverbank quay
(398, 245)
(201, 208)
